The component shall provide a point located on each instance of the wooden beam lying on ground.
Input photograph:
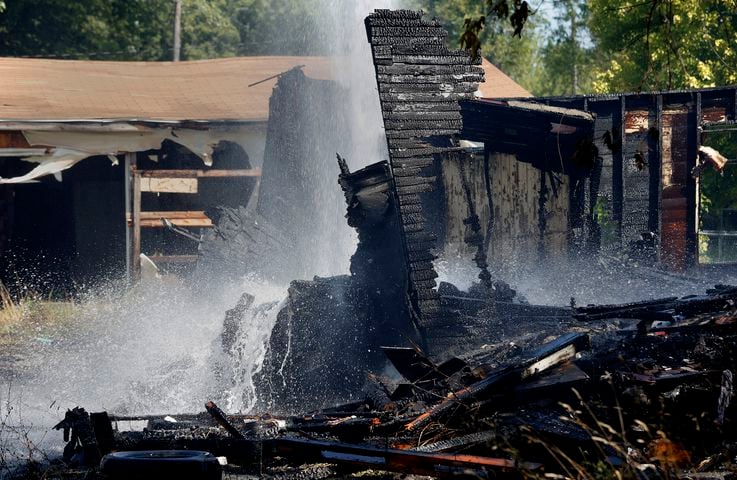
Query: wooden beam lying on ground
(549, 355)
(393, 460)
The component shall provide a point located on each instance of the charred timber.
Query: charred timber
(403, 31)
(423, 70)
(423, 115)
(420, 85)
(414, 79)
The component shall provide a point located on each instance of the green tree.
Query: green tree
(117, 29)
(517, 57)
(665, 44)
(143, 29)
(567, 62)
(208, 30)
(286, 27)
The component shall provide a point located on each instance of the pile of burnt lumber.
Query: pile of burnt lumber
(641, 390)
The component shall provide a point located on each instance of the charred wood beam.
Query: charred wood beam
(222, 420)
(394, 460)
(549, 355)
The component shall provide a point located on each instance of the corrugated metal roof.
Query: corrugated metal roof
(206, 90)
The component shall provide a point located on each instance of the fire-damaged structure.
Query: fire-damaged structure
(436, 380)
(448, 151)
(645, 185)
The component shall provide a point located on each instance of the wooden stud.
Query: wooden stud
(693, 184)
(659, 110)
(127, 207)
(618, 160)
(136, 216)
(169, 185)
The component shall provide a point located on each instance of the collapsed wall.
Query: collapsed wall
(328, 336)
(295, 226)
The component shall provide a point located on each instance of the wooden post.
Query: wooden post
(127, 206)
(135, 265)
(659, 110)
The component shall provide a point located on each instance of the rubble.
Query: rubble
(621, 389)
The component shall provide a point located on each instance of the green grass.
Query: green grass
(30, 317)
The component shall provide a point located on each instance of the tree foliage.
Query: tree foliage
(143, 29)
(284, 27)
(665, 44)
(634, 44)
(568, 58)
(517, 57)
(116, 29)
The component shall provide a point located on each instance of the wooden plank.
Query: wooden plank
(24, 152)
(173, 258)
(129, 159)
(180, 222)
(169, 185)
(171, 215)
(249, 172)
(617, 171)
(195, 219)
(394, 460)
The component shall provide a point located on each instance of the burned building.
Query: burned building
(504, 184)
(104, 161)
(649, 196)
(484, 383)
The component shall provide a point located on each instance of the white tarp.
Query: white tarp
(61, 159)
(71, 147)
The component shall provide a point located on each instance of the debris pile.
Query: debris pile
(643, 389)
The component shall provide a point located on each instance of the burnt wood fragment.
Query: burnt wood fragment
(425, 284)
(410, 180)
(419, 161)
(414, 227)
(424, 97)
(549, 355)
(222, 420)
(402, 31)
(436, 59)
(407, 172)
(405, 461)
(422, 124)
(423, 115)
(412, 209)
(414, 245)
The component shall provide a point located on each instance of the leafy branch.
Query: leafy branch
(499, 9)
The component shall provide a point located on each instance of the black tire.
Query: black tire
(161, 465)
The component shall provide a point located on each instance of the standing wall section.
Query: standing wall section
(420, 83)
